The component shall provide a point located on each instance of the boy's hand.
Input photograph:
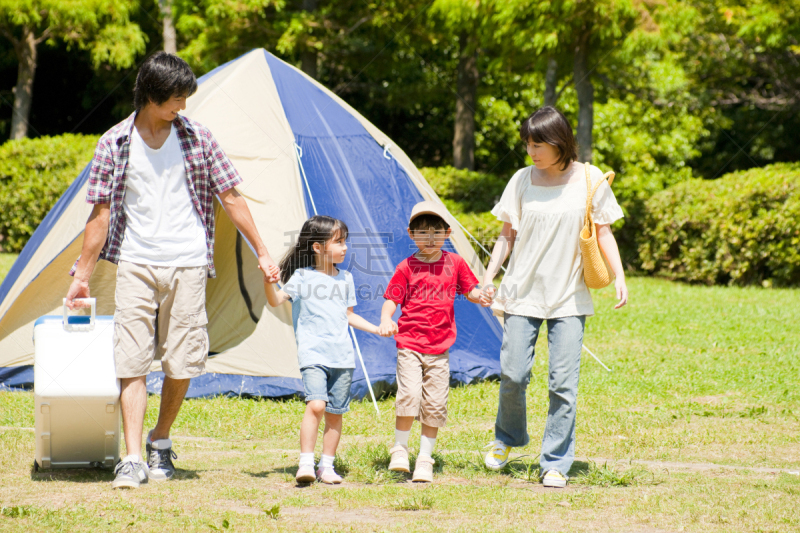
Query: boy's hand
(387, 328)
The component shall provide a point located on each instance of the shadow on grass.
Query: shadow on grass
(96, 475)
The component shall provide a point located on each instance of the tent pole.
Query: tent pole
(504, 269)
(299, 152)
(364, 368)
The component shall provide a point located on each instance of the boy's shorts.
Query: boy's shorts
(423, 383)
(161, 313)
(330, 385)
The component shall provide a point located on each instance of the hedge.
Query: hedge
(741, 229)
(34, 173)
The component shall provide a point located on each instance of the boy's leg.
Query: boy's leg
(433, 411)
(409, 388)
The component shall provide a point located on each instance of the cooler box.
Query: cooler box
(76, 391)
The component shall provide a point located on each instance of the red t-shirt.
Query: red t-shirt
(425, 293)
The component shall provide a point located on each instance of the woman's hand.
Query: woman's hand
(622, 292)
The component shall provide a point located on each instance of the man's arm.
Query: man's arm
(237, 210)
(94, 238)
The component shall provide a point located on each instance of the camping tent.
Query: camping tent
(301, 150)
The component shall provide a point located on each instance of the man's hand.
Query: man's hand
(387, 328)
(272, 273)
(78, 289)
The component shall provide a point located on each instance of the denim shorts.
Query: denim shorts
(331, 385)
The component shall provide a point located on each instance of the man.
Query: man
(152, 183)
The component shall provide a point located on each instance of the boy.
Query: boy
(425, 286)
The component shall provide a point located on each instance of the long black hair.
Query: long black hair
(319, 229)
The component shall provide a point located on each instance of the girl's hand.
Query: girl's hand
(622, 292)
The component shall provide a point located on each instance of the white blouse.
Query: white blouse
(545, 273)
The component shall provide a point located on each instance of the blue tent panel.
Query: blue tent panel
(212, 384)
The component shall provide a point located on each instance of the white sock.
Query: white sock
(426, 445)
(401, 437)
(307, 459)
(326, 461)
(132, 458)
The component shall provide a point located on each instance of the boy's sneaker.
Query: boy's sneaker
(159, 458)
(423, 470)
(329, 476)
(399, 462)
(130, 474)
(498, 457)
(305, 474)
(554, 478)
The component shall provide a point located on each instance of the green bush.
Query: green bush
(34, 173)
(470, 197)
(738, 230)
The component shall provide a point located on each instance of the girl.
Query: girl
(542, 210)
(322, 299)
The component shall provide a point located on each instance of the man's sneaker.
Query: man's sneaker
(305, 474)
(130, 474)
(423, 470)
(399, 461)
(159, 458)
(554, 478)
(329, 476)
(498, 457)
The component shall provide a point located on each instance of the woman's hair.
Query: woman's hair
(161, 77)
(319, 229)
(549, 125)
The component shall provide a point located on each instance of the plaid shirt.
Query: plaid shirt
(208, 172)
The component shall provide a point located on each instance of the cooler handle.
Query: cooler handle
(80, 327)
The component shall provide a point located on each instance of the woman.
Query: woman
(542, 210)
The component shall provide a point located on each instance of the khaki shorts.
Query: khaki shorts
(423, 384)
(161, 312)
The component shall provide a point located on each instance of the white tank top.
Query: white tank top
(163, 227)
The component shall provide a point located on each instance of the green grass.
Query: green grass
(700, 375)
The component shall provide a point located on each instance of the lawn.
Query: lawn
(695, 429)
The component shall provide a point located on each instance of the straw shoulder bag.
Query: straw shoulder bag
(596, 272)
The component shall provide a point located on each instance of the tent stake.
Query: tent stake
(364, 368)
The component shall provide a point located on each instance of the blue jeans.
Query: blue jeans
(330, 385)
(565, 339)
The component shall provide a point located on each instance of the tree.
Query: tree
(468, 22)
(102, 26)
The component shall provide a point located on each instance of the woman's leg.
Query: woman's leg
(565, 340)
(516, 360)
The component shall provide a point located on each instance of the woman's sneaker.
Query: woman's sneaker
(329, 476)
(554, 478)
(423, 470)
(305, 474)
(399, 462)
(498, 457)
(129, 475)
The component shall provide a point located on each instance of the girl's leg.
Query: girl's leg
(332, 434)
(310, 425)
(516, 359)
(565, 339)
